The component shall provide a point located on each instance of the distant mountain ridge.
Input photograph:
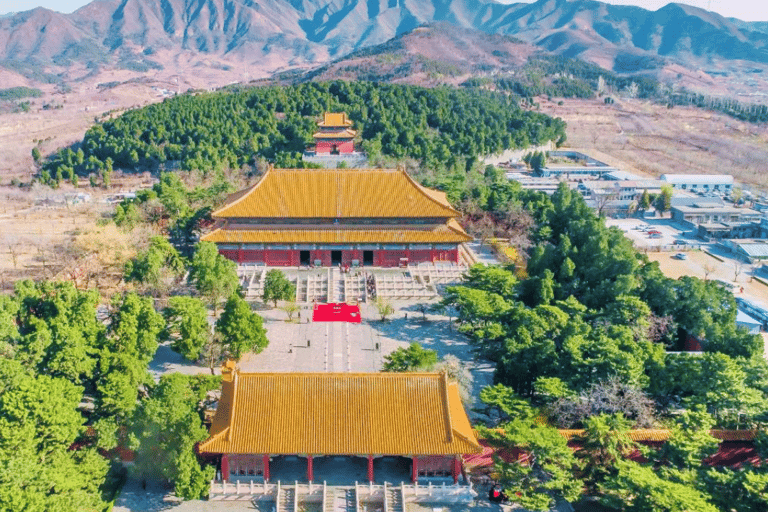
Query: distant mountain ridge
(311, 32)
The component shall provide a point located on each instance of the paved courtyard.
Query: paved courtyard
(306, 346)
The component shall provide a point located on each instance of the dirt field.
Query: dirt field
(42, 235)
(68, 115)
(644, 138)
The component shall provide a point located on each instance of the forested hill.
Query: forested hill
(442, 127)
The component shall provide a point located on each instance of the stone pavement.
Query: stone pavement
(344, 347)
(483, 253)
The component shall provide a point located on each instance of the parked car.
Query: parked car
(655, 235)
(680, 256)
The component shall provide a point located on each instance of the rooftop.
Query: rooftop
(451, 232)
(698, 178)
(335, 119)
(702, 207)
(753, 248)
(340, 414)
(336, 193)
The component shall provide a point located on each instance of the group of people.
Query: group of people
(496, 494)
(370, 284)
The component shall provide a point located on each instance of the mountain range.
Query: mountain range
(305, 33)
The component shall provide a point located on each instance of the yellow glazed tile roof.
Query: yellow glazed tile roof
(341, 414)
(443, 234)
(336, 193)
(341, 134)
(335, 119)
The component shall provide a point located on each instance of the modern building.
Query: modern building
(322, 217)
(700, 183)
(305, 423)
(702, 213)
(335, 135)
(570, 165)
(749, 250)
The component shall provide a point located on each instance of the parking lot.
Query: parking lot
(654, 234)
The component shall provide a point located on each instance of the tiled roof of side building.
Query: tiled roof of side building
(336, 193)
(443, 234)
(341, 414)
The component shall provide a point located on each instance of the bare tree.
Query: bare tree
(708, 269)
(737, 269)
(602, 199)
(610, 396)
(659, 327)
(14, 248)
(517, 225)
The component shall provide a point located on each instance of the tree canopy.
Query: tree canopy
(442, 127)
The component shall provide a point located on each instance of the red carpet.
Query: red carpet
(336, 313)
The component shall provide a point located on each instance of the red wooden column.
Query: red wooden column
(370, 468)
(225, 467)
(265, 462)
(455, 468)
(310, 469)
(415, 472)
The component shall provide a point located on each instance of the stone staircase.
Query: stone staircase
(286, 500)
(350, 501)
(329, 500)
(336, 286)
(394, 499)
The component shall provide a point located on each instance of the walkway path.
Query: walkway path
(483, 253)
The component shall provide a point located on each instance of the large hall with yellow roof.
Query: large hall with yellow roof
(332, 217)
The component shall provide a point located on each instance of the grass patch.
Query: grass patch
(18, 93)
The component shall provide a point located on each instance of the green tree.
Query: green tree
(690, 441)
(645, 200)
(290, 308)
(546, 472)
(58, 331)
(130, 345)
(278, 287)
(605, 443)
(187, 326)
(664, 200)
(39, 423)
(412, 358)
(36, 156)
(636, 488)
(384, 307)
(241, 329)
(167, 426)
(156, 266)
(741, 490)
(213, 275)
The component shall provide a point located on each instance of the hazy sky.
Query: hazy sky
(748, 10)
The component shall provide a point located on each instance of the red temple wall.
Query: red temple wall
(348, 256)
(245, 465)
(324, 256)
(436, 465)
(381, 258)
(325, 146)
(288, 258)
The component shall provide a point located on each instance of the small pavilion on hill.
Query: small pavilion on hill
(266, 419)
(324, 217)
(335, 135)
